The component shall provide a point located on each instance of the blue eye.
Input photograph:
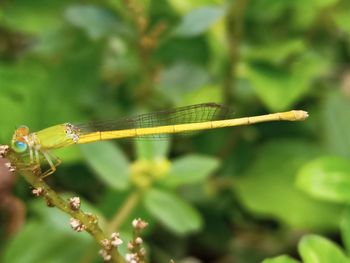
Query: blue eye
(19, 147)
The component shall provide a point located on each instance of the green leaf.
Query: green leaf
(341, 17)
(50, 244)
(280, 87)
(94, 20)
(190, 169)
(68, 154)
(25, 96)
(275, 52)
(345, 229)
(324, 3)
(198, 21)
(21, 88)
(152, 149)
(55, 241)
(280, 259)
(326, 178)
(20, 15)
(317, 249)
(172, 212)
(307, 12)
(83, 59)
(52, 43)
(187, 51)
(182, 78)
(183, 7)
(109, 163)
(8, 121)
(272, 10)
(336, 125)
(301, 13)
(268, 187)
(205, 93)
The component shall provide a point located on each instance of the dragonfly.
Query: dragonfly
(38, 145)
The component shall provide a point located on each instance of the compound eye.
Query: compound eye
(19, 146)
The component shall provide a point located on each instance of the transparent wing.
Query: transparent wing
(183, 115)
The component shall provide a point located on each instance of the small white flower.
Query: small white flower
(131, 258)
(104, 254)
(139, 224)
(116, 240)
(38, 191)
(106, 243)
(10, 167)
(138, 240)
(92, 218)
(77, 225)
(74, 203)
(130, 246)
(4, 150)
(143, 251)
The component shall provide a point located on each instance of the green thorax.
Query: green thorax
(57, 136)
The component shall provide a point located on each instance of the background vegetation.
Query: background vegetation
(231, 195)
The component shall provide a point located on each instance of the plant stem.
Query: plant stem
(234, 32)
(123, 213)
(33, 176)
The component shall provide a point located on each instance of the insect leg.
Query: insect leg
(52, 166)
(31, 157)
(37, 159)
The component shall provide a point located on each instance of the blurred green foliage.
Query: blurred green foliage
(232, 195)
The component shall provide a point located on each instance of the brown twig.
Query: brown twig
(147, 40)
(80, 220)
(234, 33)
